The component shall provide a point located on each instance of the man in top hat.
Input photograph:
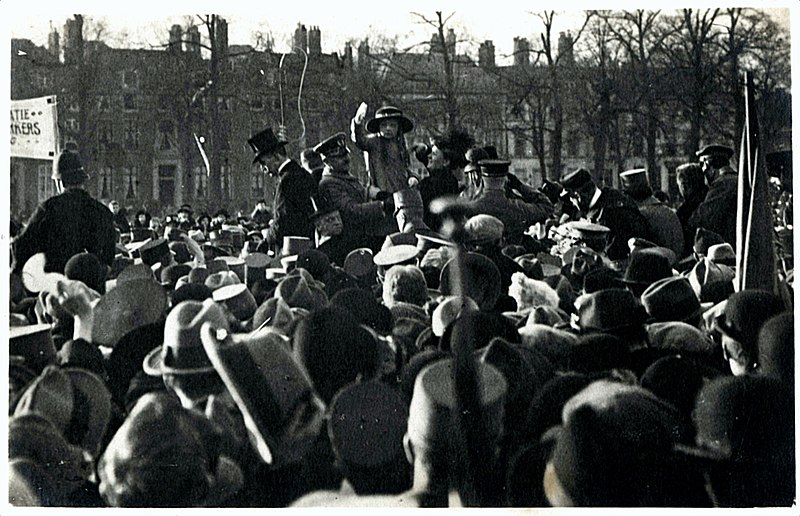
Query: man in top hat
(665, 227)
(515, 214)
(292, 207)
(610, 208)
(718, 211)
(67, 224)
(370, 220)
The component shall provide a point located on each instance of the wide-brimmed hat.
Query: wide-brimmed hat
(609, 310)
(715, 149)
(75, 400)
(296, 291)
(711, 282)
(127, 306)
(332, 146)
(221, 279)
(182, 351)
(646, 267)
(272, 391)
(265, 142)
(153, 251)
(671, 299)
(389, 113)
(722, 254)
(744, 314)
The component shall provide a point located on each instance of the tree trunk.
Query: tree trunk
(214, 186)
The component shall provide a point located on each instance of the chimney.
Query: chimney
(565, 45)
(193, 41)
(521, 51)
(363, 55)
(450, 41)
(221, 34)
(436, 44)
(300, 37)
(314, 41)
(53, 44)
(175, 35)
(73, 40)
(486, 54)
(348, 56)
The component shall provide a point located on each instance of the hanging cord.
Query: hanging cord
(299, 94)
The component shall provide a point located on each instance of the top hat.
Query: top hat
(715, 149)
(577, 179)
(256, 267)
(494, 167)
(635, 181)
(265, 142)
(430, 418)
(389, 113)
(182, 351)
(332, 146)
(127, 306)
(294, 245)
(321, 207)
(272, 391)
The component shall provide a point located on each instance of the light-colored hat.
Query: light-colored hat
(396, 255)
(238, 299)
(124, 308)
(448, 310)
(236, 265)
(221, 279)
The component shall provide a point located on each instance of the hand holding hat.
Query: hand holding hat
(78, 300)
(361, 113)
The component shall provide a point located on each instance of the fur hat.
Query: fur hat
(531, 293)
(404, 283)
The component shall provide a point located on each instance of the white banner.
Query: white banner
(34, 128)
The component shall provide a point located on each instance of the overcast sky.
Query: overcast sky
(148, 24)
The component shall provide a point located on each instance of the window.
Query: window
(71, 124)
(257, 183)
(44, 178)
(103, 103)
(131, 182)
(106, 182)
(129, 101)
(105, 134)
(200, 181)
(131, 134)
(166, 135)
(130, 79)
(226, 179)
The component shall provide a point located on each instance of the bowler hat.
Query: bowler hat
(671, 299)
(635, 182)
(389, 113)
(126, 307)
(359, 263)
(182, 352)
(273, 393)
(715, 149)
(265, 142)
(646, 267)
(609, 310)
(332, 146)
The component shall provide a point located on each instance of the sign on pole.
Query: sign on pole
(34, 128)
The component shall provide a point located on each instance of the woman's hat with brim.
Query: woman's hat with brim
(127, 306)
(182, 352)
(273, 392)
(390, 113)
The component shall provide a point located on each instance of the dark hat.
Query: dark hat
(198, 275)
(294, 245)
(389, 113)
(321, 207)
(216, 265)
(635, 181)
(711, 282)
(332, 146)
(364, 309)
(82, 354)
(264, 142)
(236, 265)
(577, 179)
(671, 299)
(680, 337)
(479, 328)
(256, 267)
(334, 350)
(70, 169)
(360, 263)
(600, 278)
(76, 401)
(315, 262)
(136, 271)
(704, 238)
(366, 425)
(153, 251)
(180, 251)
(480, 278)
(185, 208)
(34, 343)
(126, 307)
(276, 314)
(494, 167)
(745, 313)
(609, 310)
(722, 253)
(676, 380)
(272, 391)
(193, 291)
(237, 299)
(715, 149)
(86, 267)
(646, 267)
(776, 347)
(299, 293)
(171, 274)
(182, 352)
(598, 352)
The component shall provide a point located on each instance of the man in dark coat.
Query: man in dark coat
(371, 220)
(120, 220)
(67, 224)
(441, 181)
(292, 208)
(717, 212)
(610, 208)
(693, 189)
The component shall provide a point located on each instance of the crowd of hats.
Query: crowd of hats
(239, 379)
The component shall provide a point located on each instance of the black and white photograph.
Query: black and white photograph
(399, 255)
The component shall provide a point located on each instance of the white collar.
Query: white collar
(595, 197)
(284, 164)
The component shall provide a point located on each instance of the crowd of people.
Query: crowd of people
(449, 336)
